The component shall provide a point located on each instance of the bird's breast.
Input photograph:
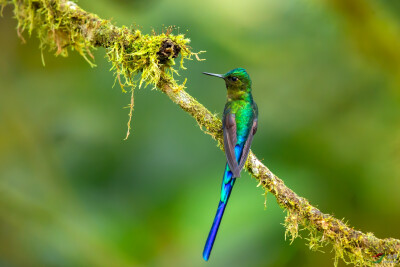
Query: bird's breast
(244, 119)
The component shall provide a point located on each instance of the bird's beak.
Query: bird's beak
(213, 74)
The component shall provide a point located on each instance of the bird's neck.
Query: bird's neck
(240, 95)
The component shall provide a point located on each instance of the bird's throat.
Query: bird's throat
(239, 95)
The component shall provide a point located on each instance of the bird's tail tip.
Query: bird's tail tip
(214, 230)
(207, 249)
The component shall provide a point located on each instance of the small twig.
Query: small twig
(131, 105)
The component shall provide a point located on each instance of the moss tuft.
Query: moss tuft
(346, 246)
(136, 58)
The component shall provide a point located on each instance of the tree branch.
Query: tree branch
(62, 24)
(360, 248)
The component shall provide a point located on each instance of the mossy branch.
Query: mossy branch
(62, 24)
(349, 244)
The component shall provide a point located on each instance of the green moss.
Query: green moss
(52, 26)
(136, 58)
(346, 246)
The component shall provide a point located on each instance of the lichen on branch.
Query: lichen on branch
(137, 59)
(149, 60)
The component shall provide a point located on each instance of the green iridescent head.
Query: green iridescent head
(238, 82)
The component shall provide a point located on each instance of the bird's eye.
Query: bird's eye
(234, 78)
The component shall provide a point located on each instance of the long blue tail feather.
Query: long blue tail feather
(227, 186)
(218, 217)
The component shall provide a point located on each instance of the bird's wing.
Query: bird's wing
(229, 129)
(247, 145)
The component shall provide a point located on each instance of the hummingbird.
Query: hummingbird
(239, 124)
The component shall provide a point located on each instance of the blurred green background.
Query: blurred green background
(325, 77)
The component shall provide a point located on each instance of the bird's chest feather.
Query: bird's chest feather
(243, 111)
